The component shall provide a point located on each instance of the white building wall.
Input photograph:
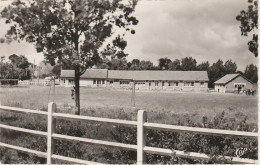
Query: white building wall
(85, 82)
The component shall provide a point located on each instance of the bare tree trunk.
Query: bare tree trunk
(77, 92)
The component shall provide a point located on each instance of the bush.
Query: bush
(215, 146)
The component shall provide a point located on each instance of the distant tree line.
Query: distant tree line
(215, 71)
(18, 67)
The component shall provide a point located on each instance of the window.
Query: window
(171, 83)
(111, 82)
(163, 83)
(140, 82)
(239, 86)
(156, 83)
(98, 81)
(188, 83)
(103, 81)
(124, 82)
(201, 84)
(94, 81)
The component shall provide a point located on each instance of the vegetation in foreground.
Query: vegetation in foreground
(215, 146)
(233, 112)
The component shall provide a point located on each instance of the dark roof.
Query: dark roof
(229, 77)
(159, 75)
(67, 74)
(95, 73)
(140, 75)
(225, 79)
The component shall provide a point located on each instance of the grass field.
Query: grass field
(181, 108)
(109, 102)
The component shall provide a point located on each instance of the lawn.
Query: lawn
(109, 102)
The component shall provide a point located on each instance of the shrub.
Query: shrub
(215, 146)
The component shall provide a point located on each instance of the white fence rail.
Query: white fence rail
(141, 147)
(40, 82)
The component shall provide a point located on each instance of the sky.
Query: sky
(202, 29)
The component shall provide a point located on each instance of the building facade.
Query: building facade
(147, 80)
(231, 83)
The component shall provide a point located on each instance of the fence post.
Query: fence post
(141, 136)
(51, 130)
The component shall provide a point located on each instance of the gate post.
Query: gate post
(141, 136)
(50, 131)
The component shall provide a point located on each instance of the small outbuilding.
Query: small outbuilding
(233, 83)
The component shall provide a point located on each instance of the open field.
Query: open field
(181, 108)
(107, 102)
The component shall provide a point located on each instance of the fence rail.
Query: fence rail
(141, 148)
(40, 82)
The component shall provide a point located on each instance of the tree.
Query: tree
(251, 73)
(175, 65)
(216, 71)
(188, 64)
(118, 64)
(135, 64)
(248, 23)
(8, 71)
(45, 69)
(75, 30)
(164, 63)
(146, 65)
(230, 67)
(19, 61)
(204, 66)
(21, 65)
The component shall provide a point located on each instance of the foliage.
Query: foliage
(55, 27)
(45, 69)
(19, 61)
(8, 71)
(220, 69)
(71, 30)
(164, 63)
(175, 65)
(216, 147)
(17, 68)
(188, 63)
(204, 66)
(141, 65)
(210, 145)
(230, 67)
(249, 22)
(251, 73)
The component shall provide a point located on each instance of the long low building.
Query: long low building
(148, 79)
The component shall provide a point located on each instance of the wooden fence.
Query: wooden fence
(141, 147)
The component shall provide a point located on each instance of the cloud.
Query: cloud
(204, 29)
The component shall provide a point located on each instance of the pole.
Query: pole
(51, 130)
(141, 136)
(53, 89)
(134, 94)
